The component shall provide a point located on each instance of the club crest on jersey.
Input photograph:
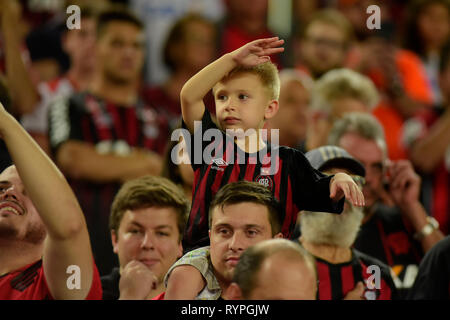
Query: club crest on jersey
(265, 181)
(219, 164)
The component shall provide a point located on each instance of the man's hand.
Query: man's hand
(136, 281)
(404, 183)
(343, 185)
(357, 293)
(257, 52)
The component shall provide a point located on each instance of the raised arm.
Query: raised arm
(23, 91)
(67, 240)
(192, 93)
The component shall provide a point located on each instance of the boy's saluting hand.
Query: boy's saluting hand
(257, 52)
(343, 185)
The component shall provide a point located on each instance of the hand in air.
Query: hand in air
(257, 52)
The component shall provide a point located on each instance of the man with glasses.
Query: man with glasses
(396, 229)
(324, 43)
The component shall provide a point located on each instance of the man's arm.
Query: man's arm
(67, 240)
(193, 91)
(404, 186)
(81, 160)
(23, 92)
(433, 145)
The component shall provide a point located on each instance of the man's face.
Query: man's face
(150, 236)
(297, 281)
(370, 155)
(323, 48)
(19, 219)
(241, 102)
(120, 51)
(233, 229)
(291, 117)
(79, 44)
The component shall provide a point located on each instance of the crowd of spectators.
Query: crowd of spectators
(101, 166)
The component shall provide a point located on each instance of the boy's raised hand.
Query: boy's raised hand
(257, 52)
(343, 185)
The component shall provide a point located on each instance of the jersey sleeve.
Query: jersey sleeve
(64, 122)
(311, 188)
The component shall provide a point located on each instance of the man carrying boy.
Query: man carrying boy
(246, 89)
(242, 213)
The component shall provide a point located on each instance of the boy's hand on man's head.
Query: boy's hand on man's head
(343, 185)
(257, 52)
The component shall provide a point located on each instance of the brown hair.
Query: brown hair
(246, 191)
(116, 13)
(146, 192)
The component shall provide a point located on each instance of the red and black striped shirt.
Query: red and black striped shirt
(296, 184)
(110, 128)
(336, 280)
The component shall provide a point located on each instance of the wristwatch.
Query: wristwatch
(428, 229)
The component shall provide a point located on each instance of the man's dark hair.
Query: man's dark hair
(116, 13)
(246, 191)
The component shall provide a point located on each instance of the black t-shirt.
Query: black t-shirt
(110, 285)
(111, 129)
(286, 171)
(387, 236)
(433, 280)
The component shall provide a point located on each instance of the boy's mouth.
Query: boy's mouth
(231, 120)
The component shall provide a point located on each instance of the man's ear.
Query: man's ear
(271, 109)
(234, 292)
(279, 235)
(114, 239)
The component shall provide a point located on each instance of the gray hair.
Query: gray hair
(343, 83)
(363, 124)
(287, 75)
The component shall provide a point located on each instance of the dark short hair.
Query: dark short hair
(146, 192)
(250, 262)
(246, 191)
(116, 13)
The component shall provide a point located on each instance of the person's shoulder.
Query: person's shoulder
(442, 247)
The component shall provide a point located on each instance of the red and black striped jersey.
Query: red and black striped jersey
(433, 279)
(336, 280)
(28, 283)
(110, 128)
(388, 237)
(286, 171)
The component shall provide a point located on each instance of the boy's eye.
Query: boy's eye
(243, 96)
(221, 97)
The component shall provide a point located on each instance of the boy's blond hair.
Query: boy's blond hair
(267, 72)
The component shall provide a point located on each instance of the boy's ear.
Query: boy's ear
(271, 109)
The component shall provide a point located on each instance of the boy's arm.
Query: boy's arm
(184, 283)
(343, 185)
(192, 93)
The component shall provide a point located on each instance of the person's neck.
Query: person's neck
(175, 83)
(123, 94)
(247, 144)
(17, 254)
(224, 287)
(249, 25)
(81, 77)
(331, 253)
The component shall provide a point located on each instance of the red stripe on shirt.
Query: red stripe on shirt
(323, 273)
